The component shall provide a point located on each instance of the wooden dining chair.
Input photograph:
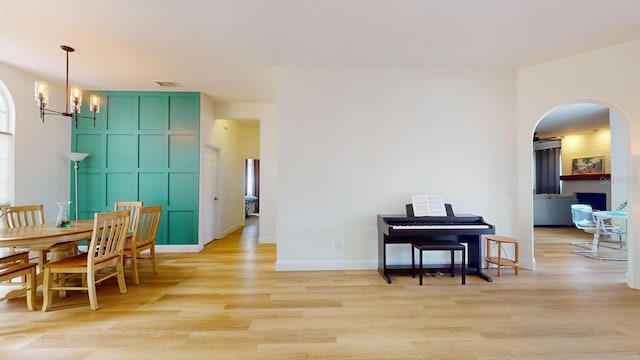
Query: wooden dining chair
(132, 206)
(145, 229)
(18, 266)
(102, 261)
(29, 215)
(25, 215)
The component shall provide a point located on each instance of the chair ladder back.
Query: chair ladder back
(132, 206)
(109, 233)
(24, 215)
(146, 224)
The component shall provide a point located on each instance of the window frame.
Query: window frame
(7, 122)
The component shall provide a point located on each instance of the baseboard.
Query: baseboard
(230, 230)
(179, 248)
(325, 265)
(167, 248)
(266, 239)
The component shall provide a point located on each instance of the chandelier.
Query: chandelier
(74, 95)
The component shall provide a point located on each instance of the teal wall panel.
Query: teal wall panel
(181, 193)
(154, 112)
(184, 111)
(154, 188)
(145, 146)
(153, 151)
(90, 192)
(120, 186)
(91, 144)
(123, 112)
(180, 149)
(121, 151)
(181, 227)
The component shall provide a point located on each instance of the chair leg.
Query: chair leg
(486, 259)
(134, 268)
(499, 258)
(121, 281)
(421, 270)
(91, 289)
(61, 283)
(516, 257)
(46, 290)
(453, 263)
(154, 264)
(464, 267)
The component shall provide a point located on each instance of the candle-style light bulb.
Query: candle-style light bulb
(75, 98)
(41, 92)
(94, 103)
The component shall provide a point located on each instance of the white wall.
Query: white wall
(609, 76)
(42, 172)
(354, 143)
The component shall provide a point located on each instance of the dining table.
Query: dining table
(43, 237)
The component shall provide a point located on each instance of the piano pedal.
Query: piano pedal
(427, 273)
(434, 274)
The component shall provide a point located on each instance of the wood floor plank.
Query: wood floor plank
(227, 302)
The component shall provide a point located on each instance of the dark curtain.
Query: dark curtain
(256, 182)
(548, 171)
(255, 174)
(246, 176)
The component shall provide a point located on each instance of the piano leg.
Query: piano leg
(484, 276)
(384, 276)
(474, 247)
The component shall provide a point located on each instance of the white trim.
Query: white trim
(179, 248)
(266, 239)
(325, 265)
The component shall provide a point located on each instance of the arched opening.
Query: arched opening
(580, 156)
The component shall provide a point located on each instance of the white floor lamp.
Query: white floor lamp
(76, 157)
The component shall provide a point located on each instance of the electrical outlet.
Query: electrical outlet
(336, 245)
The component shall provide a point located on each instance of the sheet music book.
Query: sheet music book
(428, 205)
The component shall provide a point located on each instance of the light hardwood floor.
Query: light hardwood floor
(227, 302)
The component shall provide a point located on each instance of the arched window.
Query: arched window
(6, 145)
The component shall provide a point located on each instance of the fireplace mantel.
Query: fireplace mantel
(587, 177)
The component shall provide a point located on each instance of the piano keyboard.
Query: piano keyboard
(439, 227)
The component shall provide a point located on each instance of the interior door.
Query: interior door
(209, 198)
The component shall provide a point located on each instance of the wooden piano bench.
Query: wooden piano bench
(501, 260)
(451, 246)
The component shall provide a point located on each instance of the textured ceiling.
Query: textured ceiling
(228, 48)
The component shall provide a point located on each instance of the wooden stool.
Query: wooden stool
(451, 246)
(499, 260)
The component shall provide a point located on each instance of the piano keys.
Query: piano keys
(399, 229)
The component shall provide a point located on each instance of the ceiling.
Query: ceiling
(229, 49)
(574, 119)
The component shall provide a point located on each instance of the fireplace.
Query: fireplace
(598, 201)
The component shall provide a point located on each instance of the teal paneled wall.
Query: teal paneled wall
(145, 146)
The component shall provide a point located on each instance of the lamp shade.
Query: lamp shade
(76, 156)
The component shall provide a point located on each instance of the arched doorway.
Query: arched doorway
(562, 138)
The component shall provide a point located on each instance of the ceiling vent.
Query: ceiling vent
(171, 84)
